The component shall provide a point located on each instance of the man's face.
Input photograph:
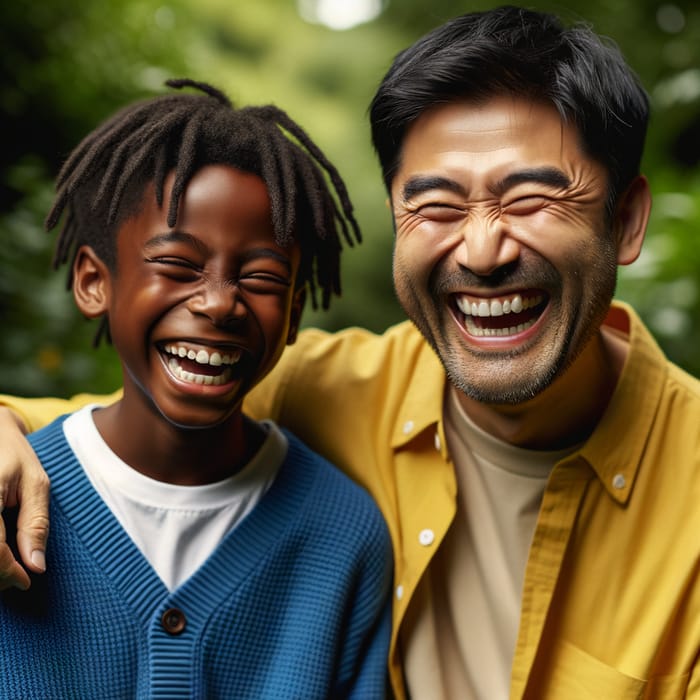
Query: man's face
(503, 258)
(201, 312)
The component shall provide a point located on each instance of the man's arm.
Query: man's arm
(24, 483)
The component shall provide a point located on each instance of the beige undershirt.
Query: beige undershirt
(460, 631)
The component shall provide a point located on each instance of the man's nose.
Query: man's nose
(486, 244)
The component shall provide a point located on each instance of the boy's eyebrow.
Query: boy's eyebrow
(184, 237)
(175, 236)
(546, 175)
(255, 253)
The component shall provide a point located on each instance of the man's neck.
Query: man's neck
(567, 412)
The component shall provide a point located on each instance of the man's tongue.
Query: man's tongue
(511, 320)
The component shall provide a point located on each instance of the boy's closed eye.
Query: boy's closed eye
(177, 268)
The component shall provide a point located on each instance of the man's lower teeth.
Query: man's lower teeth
(495, 332)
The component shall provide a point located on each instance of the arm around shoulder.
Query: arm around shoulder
(33, 414)
(23, 482)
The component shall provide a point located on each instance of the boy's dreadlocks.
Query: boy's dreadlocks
(104, 178)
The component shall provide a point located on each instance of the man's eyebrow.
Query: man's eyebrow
(424, 183)
(552, 177)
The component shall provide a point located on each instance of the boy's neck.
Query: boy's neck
(187, 457)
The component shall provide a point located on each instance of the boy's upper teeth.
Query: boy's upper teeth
(496, 307)
(203, 357)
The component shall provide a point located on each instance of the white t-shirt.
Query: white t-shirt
(175, 527)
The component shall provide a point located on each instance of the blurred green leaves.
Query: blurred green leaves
(66, 65)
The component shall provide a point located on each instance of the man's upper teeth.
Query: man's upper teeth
(203, 357)
(496, 307)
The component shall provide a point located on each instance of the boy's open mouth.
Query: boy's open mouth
(500, 316)
(200, 366)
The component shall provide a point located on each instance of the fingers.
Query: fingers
(33, 519)
(23, 483)
(11, 573)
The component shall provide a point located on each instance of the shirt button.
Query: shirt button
(399, 592)
(407, 427)
(619, 481)
(437, 441)
(426, 537)
(173, 621)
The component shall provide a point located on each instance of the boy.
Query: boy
(197, 553)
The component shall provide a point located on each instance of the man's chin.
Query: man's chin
(500, 383)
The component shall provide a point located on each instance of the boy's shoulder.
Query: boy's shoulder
(50, 435)
(329, 477)
(330, 492)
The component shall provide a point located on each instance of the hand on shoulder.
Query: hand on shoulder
(23, 483)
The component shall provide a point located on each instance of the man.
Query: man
(535, 455)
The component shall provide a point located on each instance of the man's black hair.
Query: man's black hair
(103, 180)
(512, 50)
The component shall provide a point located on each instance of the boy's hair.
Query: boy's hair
(511, 50)
(102, 182)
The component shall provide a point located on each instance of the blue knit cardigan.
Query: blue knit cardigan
(294, 603)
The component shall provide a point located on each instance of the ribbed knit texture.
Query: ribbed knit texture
(294, 603)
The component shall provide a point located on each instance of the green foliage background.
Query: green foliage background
(67, 64)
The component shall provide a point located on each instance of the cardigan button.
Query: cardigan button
(173, 621)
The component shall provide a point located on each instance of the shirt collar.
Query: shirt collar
(615, 449)
(422, 405)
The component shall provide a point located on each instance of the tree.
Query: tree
(66, 65)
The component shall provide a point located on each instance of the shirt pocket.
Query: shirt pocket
(577, 675)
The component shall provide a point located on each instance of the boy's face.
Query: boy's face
(200, 313)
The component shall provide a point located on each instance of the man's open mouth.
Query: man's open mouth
(200, 366)
(500, 316)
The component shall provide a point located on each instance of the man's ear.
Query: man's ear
(295, 315)
(631, 218)
(91, 283)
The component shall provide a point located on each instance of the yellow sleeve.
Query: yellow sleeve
(263, 400)
(36, 413)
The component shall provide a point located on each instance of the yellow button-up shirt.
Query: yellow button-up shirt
(611, 598)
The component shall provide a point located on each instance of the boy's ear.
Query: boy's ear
(91, 279)
(295, 315)
(631, 218)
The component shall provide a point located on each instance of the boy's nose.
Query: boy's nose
(221, 302)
